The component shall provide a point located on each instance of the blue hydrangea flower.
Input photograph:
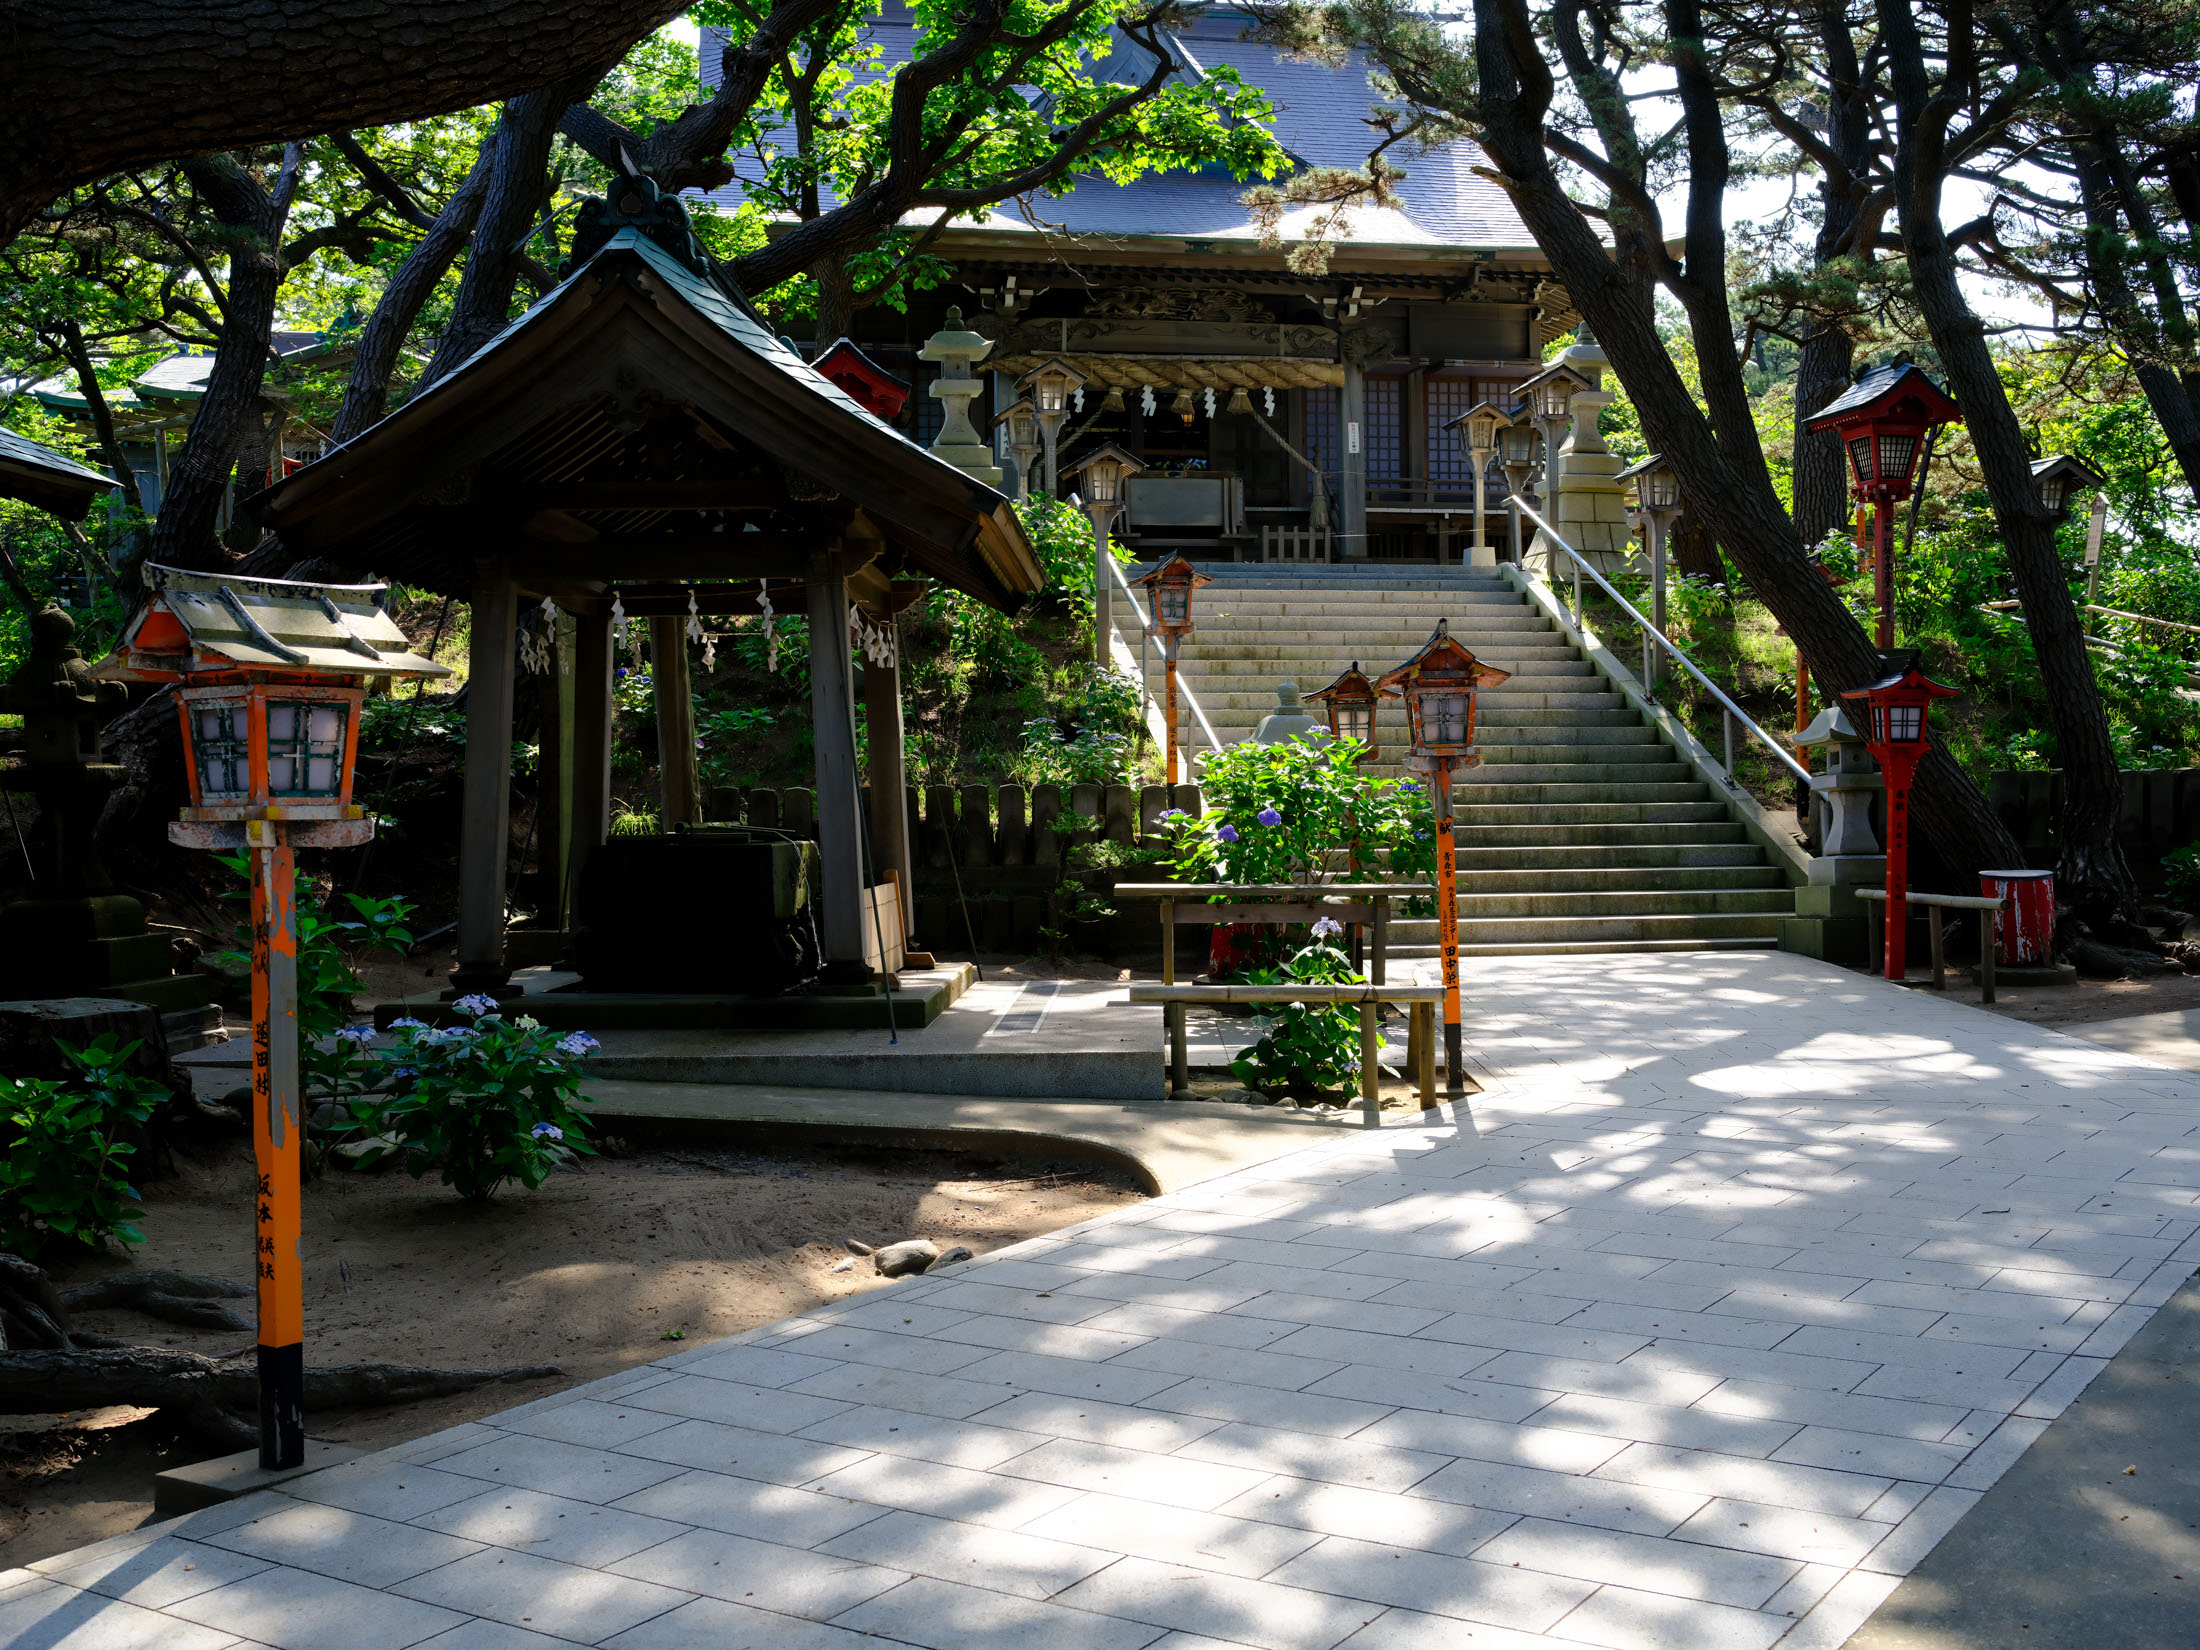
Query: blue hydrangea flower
(1328, 928)
(478, 1004)
(1269, 816)
(408, 1023)
(356, 1034)
(577, 1043)
(548, 1131)
(1228, 833)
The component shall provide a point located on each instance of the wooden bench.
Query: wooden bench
(1420, 1001)
(1875, 920)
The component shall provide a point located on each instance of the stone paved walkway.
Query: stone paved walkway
(1744, 1279)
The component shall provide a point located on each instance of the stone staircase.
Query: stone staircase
(1579, 832)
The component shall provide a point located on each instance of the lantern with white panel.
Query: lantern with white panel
(269, 677)
(1050, 385)
(1103, 478)
(1349, 702)
(1478, 430)
(1886, 420)
(1897, 708)
(1169, 587)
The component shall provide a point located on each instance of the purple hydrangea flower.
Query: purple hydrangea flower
(356, 1034)
(478, 1004)
(408, 1023)
(577, 1043)
(1328, 928)
(1227, 833)
(1269, 816)
(1171, 813)
(547, 1131)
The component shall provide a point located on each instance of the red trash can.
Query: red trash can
(2025, 927)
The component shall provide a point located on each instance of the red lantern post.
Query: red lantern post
(1897, 708)
(269, 676)
(1883, 420)
(1169, 587)
(1438, 685)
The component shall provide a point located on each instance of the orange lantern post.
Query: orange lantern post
(269, 676)
(1898, 707)
(1169, 587)
(1439, 684)
(1349, 703)
(1883, 420)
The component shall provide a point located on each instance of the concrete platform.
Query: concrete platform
(1020, 1039)
(554, 997)
(1167, 1145)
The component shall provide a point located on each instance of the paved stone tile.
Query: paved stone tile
(947, 1492)
(596, 1425)
(772, 1456)
(1498, 1592)
(700, 1397)
(1241, 1546)
(1349, 1461)
(1053, 1340)
(1813, 1538)
(557, 1469)
(1428, 1526)
(789, 1580)
(1223, 1400)
(758, 1366)
(1872, 1452)
(898, 1389)
(493, 1635)
(374, 1485)
(934, 1438)
(1690, 1427)
(947, 1616)
(744, 1506)
(156, 1573)
(1225, 1607)
(548, 1526)
(334, 1541)
(1172, 1480)
(1553, 1448)
(1037, 1416)
(717, 1624)
(1781, 1483)
(296, 1610)
(1028, 1565)
(1623, 1618)
(52, 1617)
(1596, 1502)
(564, 1600)
(1115, 1383)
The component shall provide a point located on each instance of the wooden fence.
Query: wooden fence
(2160, 811)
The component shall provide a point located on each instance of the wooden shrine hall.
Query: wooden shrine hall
(638, 446)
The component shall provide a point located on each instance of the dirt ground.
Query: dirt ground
(595, 1272)
(2065, 1005)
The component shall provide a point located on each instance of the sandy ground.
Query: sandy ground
(2065, 1005)
(594, 1273)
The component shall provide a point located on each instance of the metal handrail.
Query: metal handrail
(1729, 711)
(1145, 630)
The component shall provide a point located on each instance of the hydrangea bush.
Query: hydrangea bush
(479, 1104)
(1276, 812)
(1306, 1050)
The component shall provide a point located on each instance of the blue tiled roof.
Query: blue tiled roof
(1320, 118)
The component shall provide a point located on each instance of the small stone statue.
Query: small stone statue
(1288, 720)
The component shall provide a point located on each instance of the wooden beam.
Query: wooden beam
(711, 493)
(668, 556)
(485, 829)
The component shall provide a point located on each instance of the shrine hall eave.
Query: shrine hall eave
(52, 481)
(556, 398)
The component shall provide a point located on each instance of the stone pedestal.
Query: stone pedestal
(1589, 501)
(1288, 720)
(75, 936)
(1829, 921)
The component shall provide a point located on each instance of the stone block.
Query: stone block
(180, 1490)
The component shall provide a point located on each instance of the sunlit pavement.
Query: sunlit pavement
(1744, 1279)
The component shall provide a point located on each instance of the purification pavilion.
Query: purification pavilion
(638, 446)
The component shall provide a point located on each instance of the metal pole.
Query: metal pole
(1447, 931)
(1101, 594)
(1480, 461)
(1660, 523)
(278, 1264)
(1512, 509)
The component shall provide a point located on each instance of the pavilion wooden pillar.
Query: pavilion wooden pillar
(554, 777)
(832, 727)
(1352, 484)
(889, 786)
(485, 833)
(679, 797)
(590, 821)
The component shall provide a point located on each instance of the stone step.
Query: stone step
(1501, 719)
(1561, 864)
(1585, 816)
(1624, 902)
(1480, 794)
(1607, 881)
(1575, 749)
(1501, 934)
(1261, 662)
(1603, 769)
(1706, 827)
(1576, 948)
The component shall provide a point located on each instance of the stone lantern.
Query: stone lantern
(954, 349)
(1050, 385)
(75, 936)
(1288, 720)
(1479, 428)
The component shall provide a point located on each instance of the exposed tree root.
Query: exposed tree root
(45, 1368)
